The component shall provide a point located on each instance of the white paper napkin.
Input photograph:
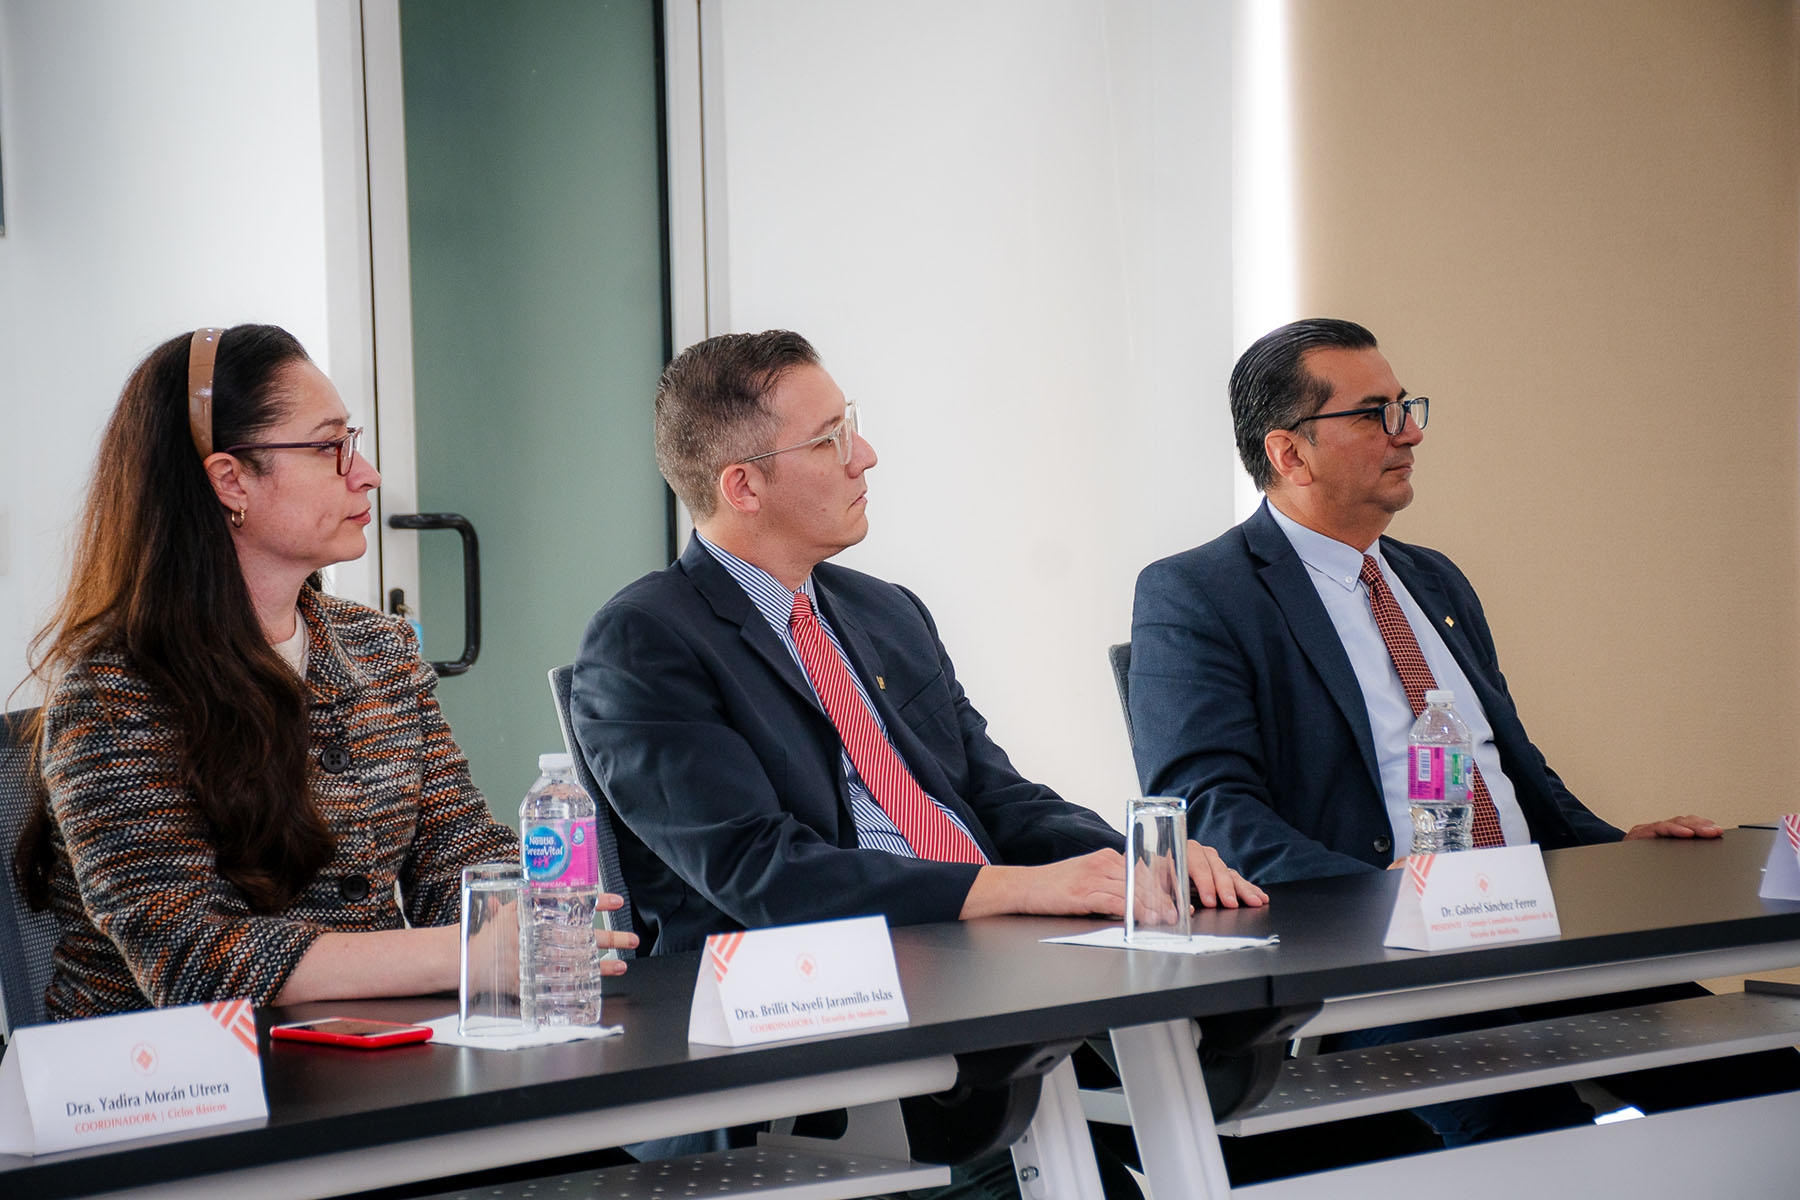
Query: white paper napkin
(443, 1032)
(1113, 938)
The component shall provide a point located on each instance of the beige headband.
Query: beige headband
(201, 352)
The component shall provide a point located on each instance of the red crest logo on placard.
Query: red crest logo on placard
(1481, 881)
(144, 1059)
(806, 965)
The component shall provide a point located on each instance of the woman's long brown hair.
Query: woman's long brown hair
(156, 579)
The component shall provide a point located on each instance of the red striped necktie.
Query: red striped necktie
(1416, 678)
(921, 822)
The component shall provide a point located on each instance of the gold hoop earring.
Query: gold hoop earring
(237, 518)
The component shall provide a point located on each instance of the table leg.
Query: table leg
(1170, 1113)
(1055, 1159)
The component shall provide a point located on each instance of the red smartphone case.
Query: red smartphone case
(379, 1035)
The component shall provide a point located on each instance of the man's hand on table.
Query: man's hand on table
(1675, 827)
(1218, 885)
(1094, 885)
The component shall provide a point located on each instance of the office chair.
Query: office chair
(606, 834)
(1120, 658)
(27, 938)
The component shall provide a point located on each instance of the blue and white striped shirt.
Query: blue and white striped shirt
(875, 830)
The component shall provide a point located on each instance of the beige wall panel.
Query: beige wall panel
(1573, 223)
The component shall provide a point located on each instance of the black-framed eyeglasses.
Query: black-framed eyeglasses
(344, 446)
(1393, 414)
(842, 438)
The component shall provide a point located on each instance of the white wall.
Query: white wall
(163, 171)
(11, 408)
(1006, 225)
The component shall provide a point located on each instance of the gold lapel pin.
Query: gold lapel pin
(881, 683)
(1450, 621)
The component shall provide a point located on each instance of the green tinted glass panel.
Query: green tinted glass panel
(533, 165)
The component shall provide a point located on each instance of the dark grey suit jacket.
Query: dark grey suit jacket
(1243, 700)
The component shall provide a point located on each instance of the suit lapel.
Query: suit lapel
(1543, 815)
(925, 764)
(1428, 593)
(1285, 576)
(730, 604)
(855, 639)
(866, 661)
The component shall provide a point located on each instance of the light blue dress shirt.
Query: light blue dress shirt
(1336, 571)
(875, 830)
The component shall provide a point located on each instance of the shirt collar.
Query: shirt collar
(771, 597)
(1326, 556)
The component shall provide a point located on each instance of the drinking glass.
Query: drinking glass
(1156, 882)
(488, 994)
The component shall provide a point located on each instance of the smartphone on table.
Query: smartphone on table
(353, 1032)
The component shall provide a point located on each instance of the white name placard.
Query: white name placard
(764, 985)
(107, 1079)
(1781, 877)
(1473, 898)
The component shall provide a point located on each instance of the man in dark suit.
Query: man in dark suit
(1261, 687)
(785, 740)
(1264, 689)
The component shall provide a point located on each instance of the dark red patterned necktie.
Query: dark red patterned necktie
(1416, 678)
(922, 823)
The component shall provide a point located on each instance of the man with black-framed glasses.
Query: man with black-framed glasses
(1328, 632)
(1276, 670)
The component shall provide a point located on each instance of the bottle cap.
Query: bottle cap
(560, 761)
(1436, 697)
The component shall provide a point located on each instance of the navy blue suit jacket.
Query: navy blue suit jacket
(725, 772)
(1243, 700)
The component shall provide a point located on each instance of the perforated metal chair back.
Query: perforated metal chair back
(606, 836)
(1120, 658)
(27, 938)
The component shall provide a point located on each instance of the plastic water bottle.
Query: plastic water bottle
(560, 979)
(1439, 762)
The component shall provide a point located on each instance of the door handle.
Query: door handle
(471, 556)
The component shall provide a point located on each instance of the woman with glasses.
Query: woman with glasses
(248, 782)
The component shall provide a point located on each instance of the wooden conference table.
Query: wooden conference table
(1632, 915)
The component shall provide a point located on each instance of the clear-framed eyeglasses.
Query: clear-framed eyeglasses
(1393, 414)
(344, 446)
(842, 438)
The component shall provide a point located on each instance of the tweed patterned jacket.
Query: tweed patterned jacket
(147, 920)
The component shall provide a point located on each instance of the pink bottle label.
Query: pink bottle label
(561, 853)
(1436, 773)
(1424, 772)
